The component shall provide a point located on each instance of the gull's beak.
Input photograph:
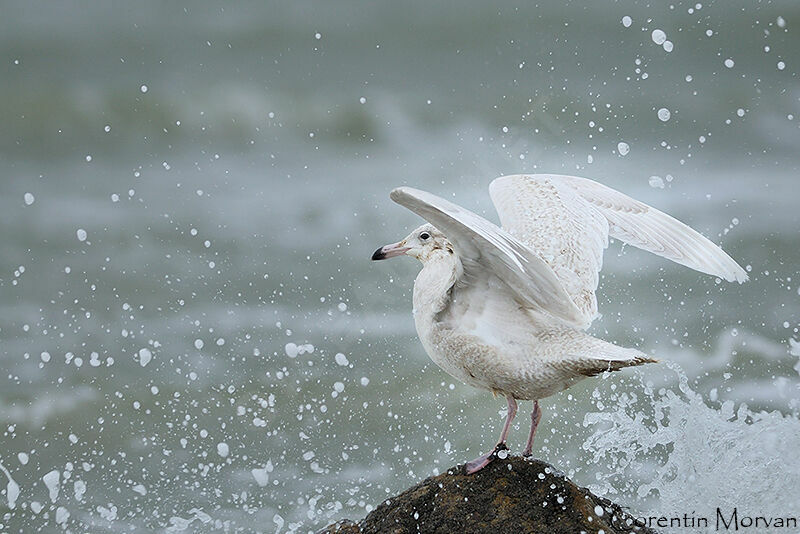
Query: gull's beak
(390, 251)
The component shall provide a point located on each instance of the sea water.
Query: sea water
(193, 338)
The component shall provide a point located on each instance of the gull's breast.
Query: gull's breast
(485, 339)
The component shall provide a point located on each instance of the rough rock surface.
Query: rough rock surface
(513, 495)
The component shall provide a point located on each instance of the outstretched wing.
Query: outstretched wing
(567, 221)
(486, 250)
(645, 227)
(562, 227)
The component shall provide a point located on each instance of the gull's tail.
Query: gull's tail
(597, 356)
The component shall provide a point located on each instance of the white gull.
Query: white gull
(505, 309)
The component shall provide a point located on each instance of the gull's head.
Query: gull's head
(422, 243)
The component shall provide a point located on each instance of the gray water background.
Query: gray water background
(251, 148)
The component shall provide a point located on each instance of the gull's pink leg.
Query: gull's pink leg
(536, 416)
(479, 463)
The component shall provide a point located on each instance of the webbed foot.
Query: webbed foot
(473, 466)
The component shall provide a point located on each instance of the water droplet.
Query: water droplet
(145, 356)
(51, 480)
(658, 36)
(261, 476)
(598, 511)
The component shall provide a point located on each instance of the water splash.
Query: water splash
(12, 488)
(686, 456)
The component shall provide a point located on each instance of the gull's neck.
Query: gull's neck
(432, 285)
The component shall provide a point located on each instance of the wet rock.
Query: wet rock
(514, 495)
(345, 526)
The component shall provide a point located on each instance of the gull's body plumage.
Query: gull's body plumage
(480, 335)
(505, 309)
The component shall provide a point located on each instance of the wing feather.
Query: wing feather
(647, 228)
(567, 220)
(485, 249)
(562, 227)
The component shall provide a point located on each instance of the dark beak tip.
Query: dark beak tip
(378, 254)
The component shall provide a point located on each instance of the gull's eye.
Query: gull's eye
(424, 235)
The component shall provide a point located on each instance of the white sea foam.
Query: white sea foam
(58, 403)
(685, 455)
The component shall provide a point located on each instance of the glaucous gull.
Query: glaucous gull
(505, 309)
